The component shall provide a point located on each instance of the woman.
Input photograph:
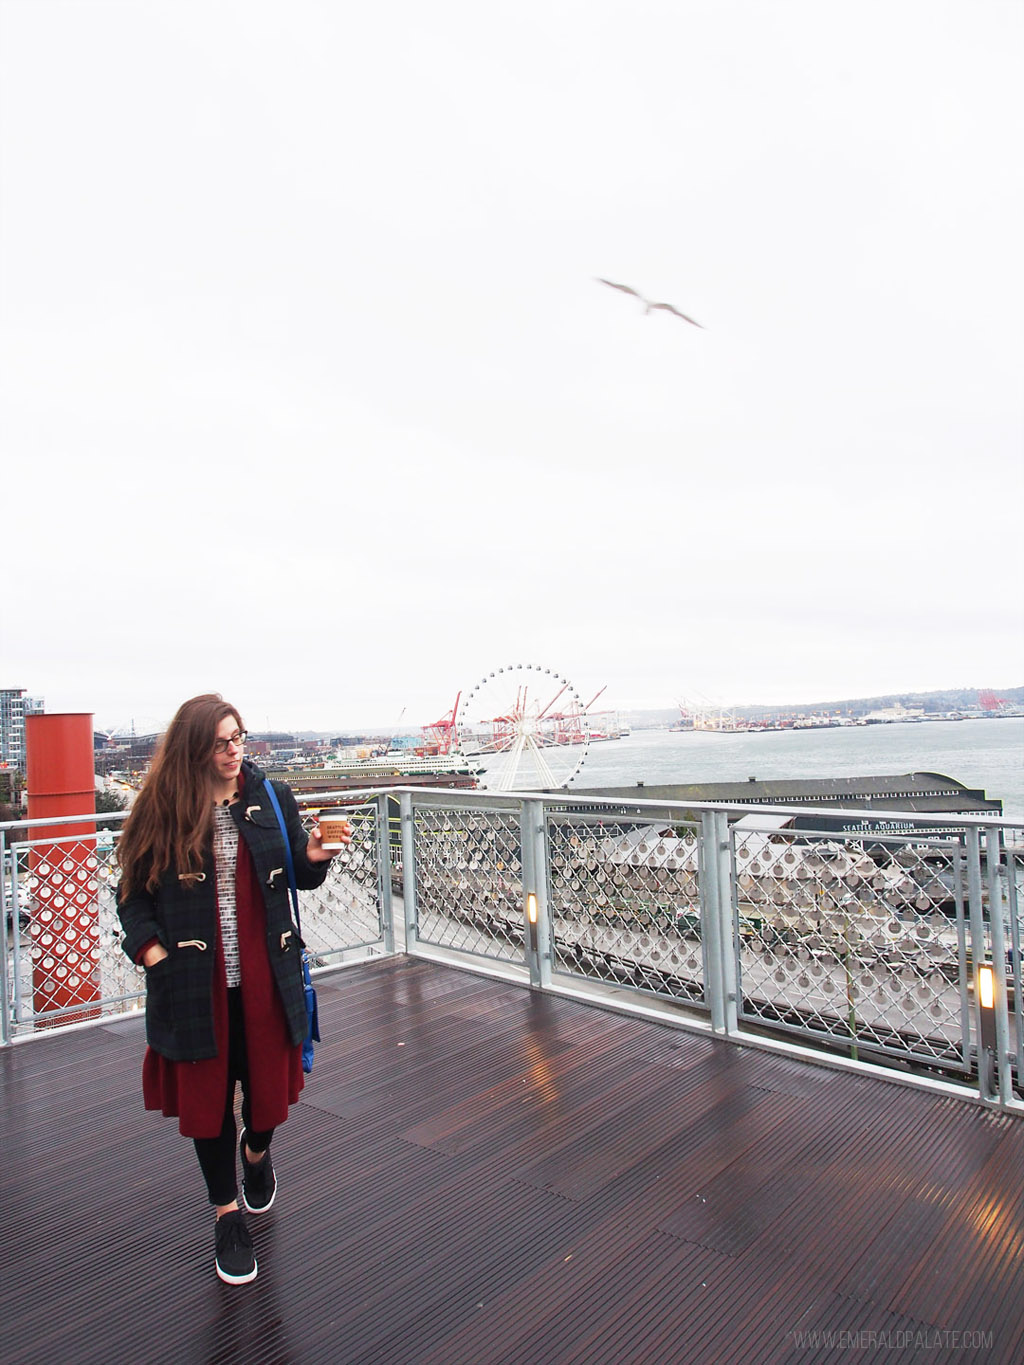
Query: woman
(204, 904)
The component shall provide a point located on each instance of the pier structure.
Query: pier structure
(874, 798)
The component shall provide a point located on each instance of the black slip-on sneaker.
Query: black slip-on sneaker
(259, 1183)
(235, 1262)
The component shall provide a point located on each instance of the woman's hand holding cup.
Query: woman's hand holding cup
(330, 835)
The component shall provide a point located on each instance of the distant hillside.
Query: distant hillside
(947, 699)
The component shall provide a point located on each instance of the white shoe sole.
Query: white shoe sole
(236, 1279)
(263, 1208)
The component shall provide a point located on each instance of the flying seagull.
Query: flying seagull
(649, 307)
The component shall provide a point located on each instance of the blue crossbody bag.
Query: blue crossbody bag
(313, 1022)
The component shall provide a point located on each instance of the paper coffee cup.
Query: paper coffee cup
(333, 825)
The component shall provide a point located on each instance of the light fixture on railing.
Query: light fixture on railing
(531, 933)
(987, 1019)
(987, 986)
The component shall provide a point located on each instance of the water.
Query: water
(979, 753)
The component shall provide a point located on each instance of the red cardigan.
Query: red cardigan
(196, 1092)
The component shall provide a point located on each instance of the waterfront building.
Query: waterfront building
(923, 793)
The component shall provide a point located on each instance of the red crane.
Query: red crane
(569, 727)
(988, 701)
(441, 736)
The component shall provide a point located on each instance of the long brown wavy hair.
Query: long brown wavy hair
(171, 821)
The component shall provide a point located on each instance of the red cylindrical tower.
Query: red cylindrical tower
(64, 903)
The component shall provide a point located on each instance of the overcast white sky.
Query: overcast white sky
(310, 396)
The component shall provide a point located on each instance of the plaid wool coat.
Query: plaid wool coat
(183, 916)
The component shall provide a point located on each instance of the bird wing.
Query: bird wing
(668, 308)
(624, 287)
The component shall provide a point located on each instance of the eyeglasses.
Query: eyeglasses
(237, 740)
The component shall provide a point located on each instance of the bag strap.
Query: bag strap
(289, 861)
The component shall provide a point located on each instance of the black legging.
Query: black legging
(217, 1156)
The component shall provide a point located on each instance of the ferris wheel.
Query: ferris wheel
(527, 728)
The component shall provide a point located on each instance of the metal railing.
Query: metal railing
(865, 943)
(860, 943)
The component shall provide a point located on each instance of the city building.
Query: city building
(15, 705)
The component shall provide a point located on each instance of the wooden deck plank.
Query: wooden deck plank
(478, 1173)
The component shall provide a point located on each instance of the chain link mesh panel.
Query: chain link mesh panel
(469, 881)
(624, 899)
(65, 960)
(863, 942)
(345, 912)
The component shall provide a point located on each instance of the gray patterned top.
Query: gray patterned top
(225, 857)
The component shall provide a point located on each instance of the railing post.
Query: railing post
(1013, 922)
(7, 902)
(717, 951)
(536, 921)
(707, 891)
(387, 913)
(987, 1050)
(996, 906)
(17, 1003)
(408, 871)
(727, 925)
